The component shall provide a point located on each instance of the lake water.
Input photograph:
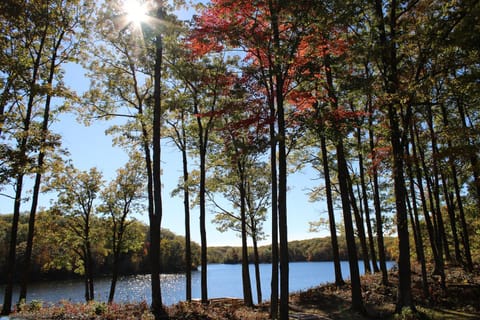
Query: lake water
(223, 281)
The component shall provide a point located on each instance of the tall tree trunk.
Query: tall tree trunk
(371, 242)
(376, 200)
(38, 175)
(391, 85)
(254, 235)
(356, 290)
(89, 258)
(331, 213)
(464, 232)
(10, 270)
(360, 226)
(186, 206)
(416, 227)
(451, 217)
(113, 283)
(275, 259)
(203, 230)
(247, 289)
(436, 186)
(256, 261)
(116, 263)
(404, 298)
(282, 163)
(155, 219)
(343, 176)
(420, 164)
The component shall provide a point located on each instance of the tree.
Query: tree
(205, 79)
(179, 136)
(238, 175)
(77, 192)
(62, 49)
(32, 42)
(121, 199)
(270, 39)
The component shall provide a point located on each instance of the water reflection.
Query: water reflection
(223, 281)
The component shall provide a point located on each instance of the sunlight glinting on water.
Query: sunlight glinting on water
(223, 281)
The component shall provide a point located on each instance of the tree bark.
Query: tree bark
(416, 228)
(389, 60)
(247, 289)
(273, 169)
(371, 242)
(360, 226)
(38, 176)
(155, 219)
(186, 206)
(420, 164)
(376, 200)
(10, 269)
(256, 260)
(343, 176)
(464, 232)
(441, 234)
(331, 213)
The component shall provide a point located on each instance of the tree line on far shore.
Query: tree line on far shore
(315, 249)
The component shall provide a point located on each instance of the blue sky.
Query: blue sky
(91, 147)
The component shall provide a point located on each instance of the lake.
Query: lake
(224, 280)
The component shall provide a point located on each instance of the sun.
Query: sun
(135, 10)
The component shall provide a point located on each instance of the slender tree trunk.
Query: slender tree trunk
(343, 176)
(356, 290)
(38, 176)
(275, 259)
(465, 238)
(203, 232)
(404, 298)
(87, 287)
(360, 226)
(7, 304)
(282, 164)
(10, 269)
(113, 283)
(391, 84)
(371, 242)
(247, 289)
(436, 187)
(420, 164)
(376, 200)
(89, 257)
(155, 219)
(417, 231)
(256, 260)
(331, 214)
(186, 206)
(451, 217)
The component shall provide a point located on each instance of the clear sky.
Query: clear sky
(91, 147)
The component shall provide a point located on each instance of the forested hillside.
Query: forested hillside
(56, 250)
(317, 249)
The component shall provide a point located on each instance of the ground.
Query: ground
(460, 300)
